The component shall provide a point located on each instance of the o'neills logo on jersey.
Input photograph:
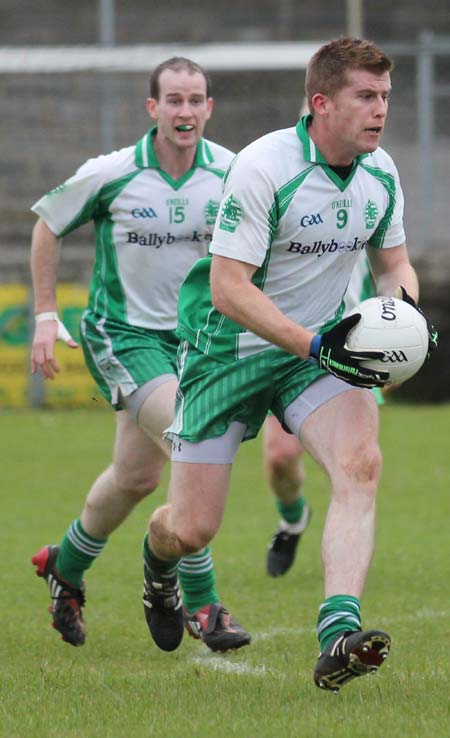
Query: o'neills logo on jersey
(157, 240)
(319, 248)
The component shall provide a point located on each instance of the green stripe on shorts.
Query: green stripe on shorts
(213, 394)
(123, 356)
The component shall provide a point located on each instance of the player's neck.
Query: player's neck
(173, 160)
(332, 151)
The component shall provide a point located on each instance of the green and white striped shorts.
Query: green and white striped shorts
(122, 357)
(212, 395)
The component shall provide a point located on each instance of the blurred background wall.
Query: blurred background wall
(52, 121)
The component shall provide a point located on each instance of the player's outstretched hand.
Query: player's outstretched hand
(433, 336)
(331, 354)
(49, 329)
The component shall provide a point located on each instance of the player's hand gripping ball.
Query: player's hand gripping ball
(396, 328)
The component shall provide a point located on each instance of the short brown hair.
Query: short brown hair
(177, 64)
(327, 68)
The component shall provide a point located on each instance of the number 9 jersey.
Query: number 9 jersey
(286, 211)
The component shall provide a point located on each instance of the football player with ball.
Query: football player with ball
(261, 329)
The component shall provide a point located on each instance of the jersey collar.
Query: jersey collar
(145, 157)
(310, 151)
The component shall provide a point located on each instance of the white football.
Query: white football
(394, 327)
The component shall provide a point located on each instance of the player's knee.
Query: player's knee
(179, 541)
(282, 453)
(195, 538)
(284, 467)
(137, 482)
(193, 535)
(282, 464)
(279, 459)
(363, 465)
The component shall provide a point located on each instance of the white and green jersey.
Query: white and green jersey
(361, 285)
(149, 228)
(287, 212)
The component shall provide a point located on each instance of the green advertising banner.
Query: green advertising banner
(73, 386)
(14, 352)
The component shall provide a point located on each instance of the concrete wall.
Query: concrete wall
(50, 123)
(141, 21)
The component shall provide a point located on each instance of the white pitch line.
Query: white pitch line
(419, 615)
(221, 663)
(273, 632)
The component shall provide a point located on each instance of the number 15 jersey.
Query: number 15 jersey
(149, 228)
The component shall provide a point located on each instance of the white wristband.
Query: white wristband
(39, 317)
(62, 334)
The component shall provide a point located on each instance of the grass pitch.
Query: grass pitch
(120, 685)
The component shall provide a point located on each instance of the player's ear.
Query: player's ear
(210, 106)
(320, 103)
(151, 105)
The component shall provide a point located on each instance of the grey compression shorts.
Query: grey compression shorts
(132, 403)
(223, 449)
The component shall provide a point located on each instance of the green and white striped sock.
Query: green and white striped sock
(291, 511)
(337, 614)
(77, 552)
(158, 568)
(197, 579)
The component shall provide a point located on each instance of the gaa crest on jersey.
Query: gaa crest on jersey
(309, 220)
(370, 213)
(210, 211)
(143, 213)
(231, 215)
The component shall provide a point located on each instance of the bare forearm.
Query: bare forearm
(391, 269)
(44, 261)
(404, 275)
(48, 329)
(242, 302)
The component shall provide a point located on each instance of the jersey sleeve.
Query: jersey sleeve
(243, 230)
(76, 201)
(390, 231)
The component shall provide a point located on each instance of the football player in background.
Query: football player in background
(153, 206)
